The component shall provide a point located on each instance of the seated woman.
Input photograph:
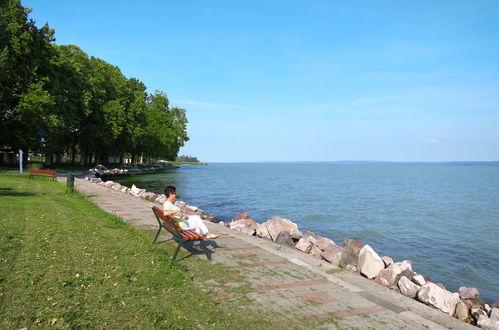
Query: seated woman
(193, 222)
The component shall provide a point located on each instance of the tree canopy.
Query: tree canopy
(76, 102)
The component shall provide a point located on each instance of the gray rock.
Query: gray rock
(494, 314)
(332, 253)
(261, 231)
(468, 293)
(150, 196)
(245, 223)
(351, 268)
(419, 279)
(310, 236)
(407, 273)
(387, 260)
(285, 238)
(488, 324)
(277, 225)
(242, 215)
(388, 276)
(407, 287)
(351, 252)
(315, 251)
(370, 263)
(248, 231)
(433, 295)
(462, 312)
(304, 245)
(474, 303)
(136, 191)
(161, 199)
(495, 304)
(323, 242)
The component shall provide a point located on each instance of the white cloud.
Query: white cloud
(432, 140)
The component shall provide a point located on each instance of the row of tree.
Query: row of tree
(56, 99)
(187, 159)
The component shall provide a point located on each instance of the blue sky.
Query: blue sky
(307, 80)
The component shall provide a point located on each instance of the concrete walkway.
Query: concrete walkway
(295, 288)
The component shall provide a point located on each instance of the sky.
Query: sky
(306, 80)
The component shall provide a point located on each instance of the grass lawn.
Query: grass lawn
(65, 263)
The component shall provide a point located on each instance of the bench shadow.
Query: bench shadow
(11, 193)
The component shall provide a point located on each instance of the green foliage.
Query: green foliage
(187, 159)
(82, 103)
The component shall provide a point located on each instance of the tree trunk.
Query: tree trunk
(83, 159)
(73, 155)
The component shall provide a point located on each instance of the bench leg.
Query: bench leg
(157, 234)
(205, 249)
(178, 249)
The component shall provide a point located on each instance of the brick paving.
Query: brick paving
(298, 290)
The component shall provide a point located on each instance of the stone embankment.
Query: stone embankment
(353, 255)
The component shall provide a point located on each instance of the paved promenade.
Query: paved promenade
(295, 288)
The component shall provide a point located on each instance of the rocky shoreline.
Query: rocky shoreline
(353, 255)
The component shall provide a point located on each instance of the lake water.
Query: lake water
(445, 218)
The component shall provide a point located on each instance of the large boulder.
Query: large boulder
(323, 242)
(277, 225)
(474, 304)
(370, 263)
(150, 196)
(136, 191)
(468, 293)
(304, 245)
(432, 294)
(284, 238)
(161, 199)
(486, 323)
(242, 215)
(244, 225)
(462, 312)
(407, 287)
(387, 260)
(351, 252)
(108, 183)
(261, 231)
(494, 314)
(390, 275)
(310, 237)
(419, 280)
(332, 254)
(315, 252)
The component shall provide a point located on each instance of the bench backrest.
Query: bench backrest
(33, 171)
(168, 222)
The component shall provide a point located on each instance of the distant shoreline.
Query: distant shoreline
(368, 162)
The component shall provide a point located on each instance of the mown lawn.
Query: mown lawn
(65, 263)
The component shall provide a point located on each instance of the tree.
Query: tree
(166, 128)
(25, 66)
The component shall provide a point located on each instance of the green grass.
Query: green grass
(65, 263)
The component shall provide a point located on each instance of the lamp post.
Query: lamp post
(20, 161)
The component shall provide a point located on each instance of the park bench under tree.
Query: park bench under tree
(172, 226)
(33, 172)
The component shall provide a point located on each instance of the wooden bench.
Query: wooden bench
(43, 173)
(180, 235)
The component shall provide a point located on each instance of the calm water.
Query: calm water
(445, 218)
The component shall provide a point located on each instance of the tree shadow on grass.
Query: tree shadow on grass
(12, 193)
